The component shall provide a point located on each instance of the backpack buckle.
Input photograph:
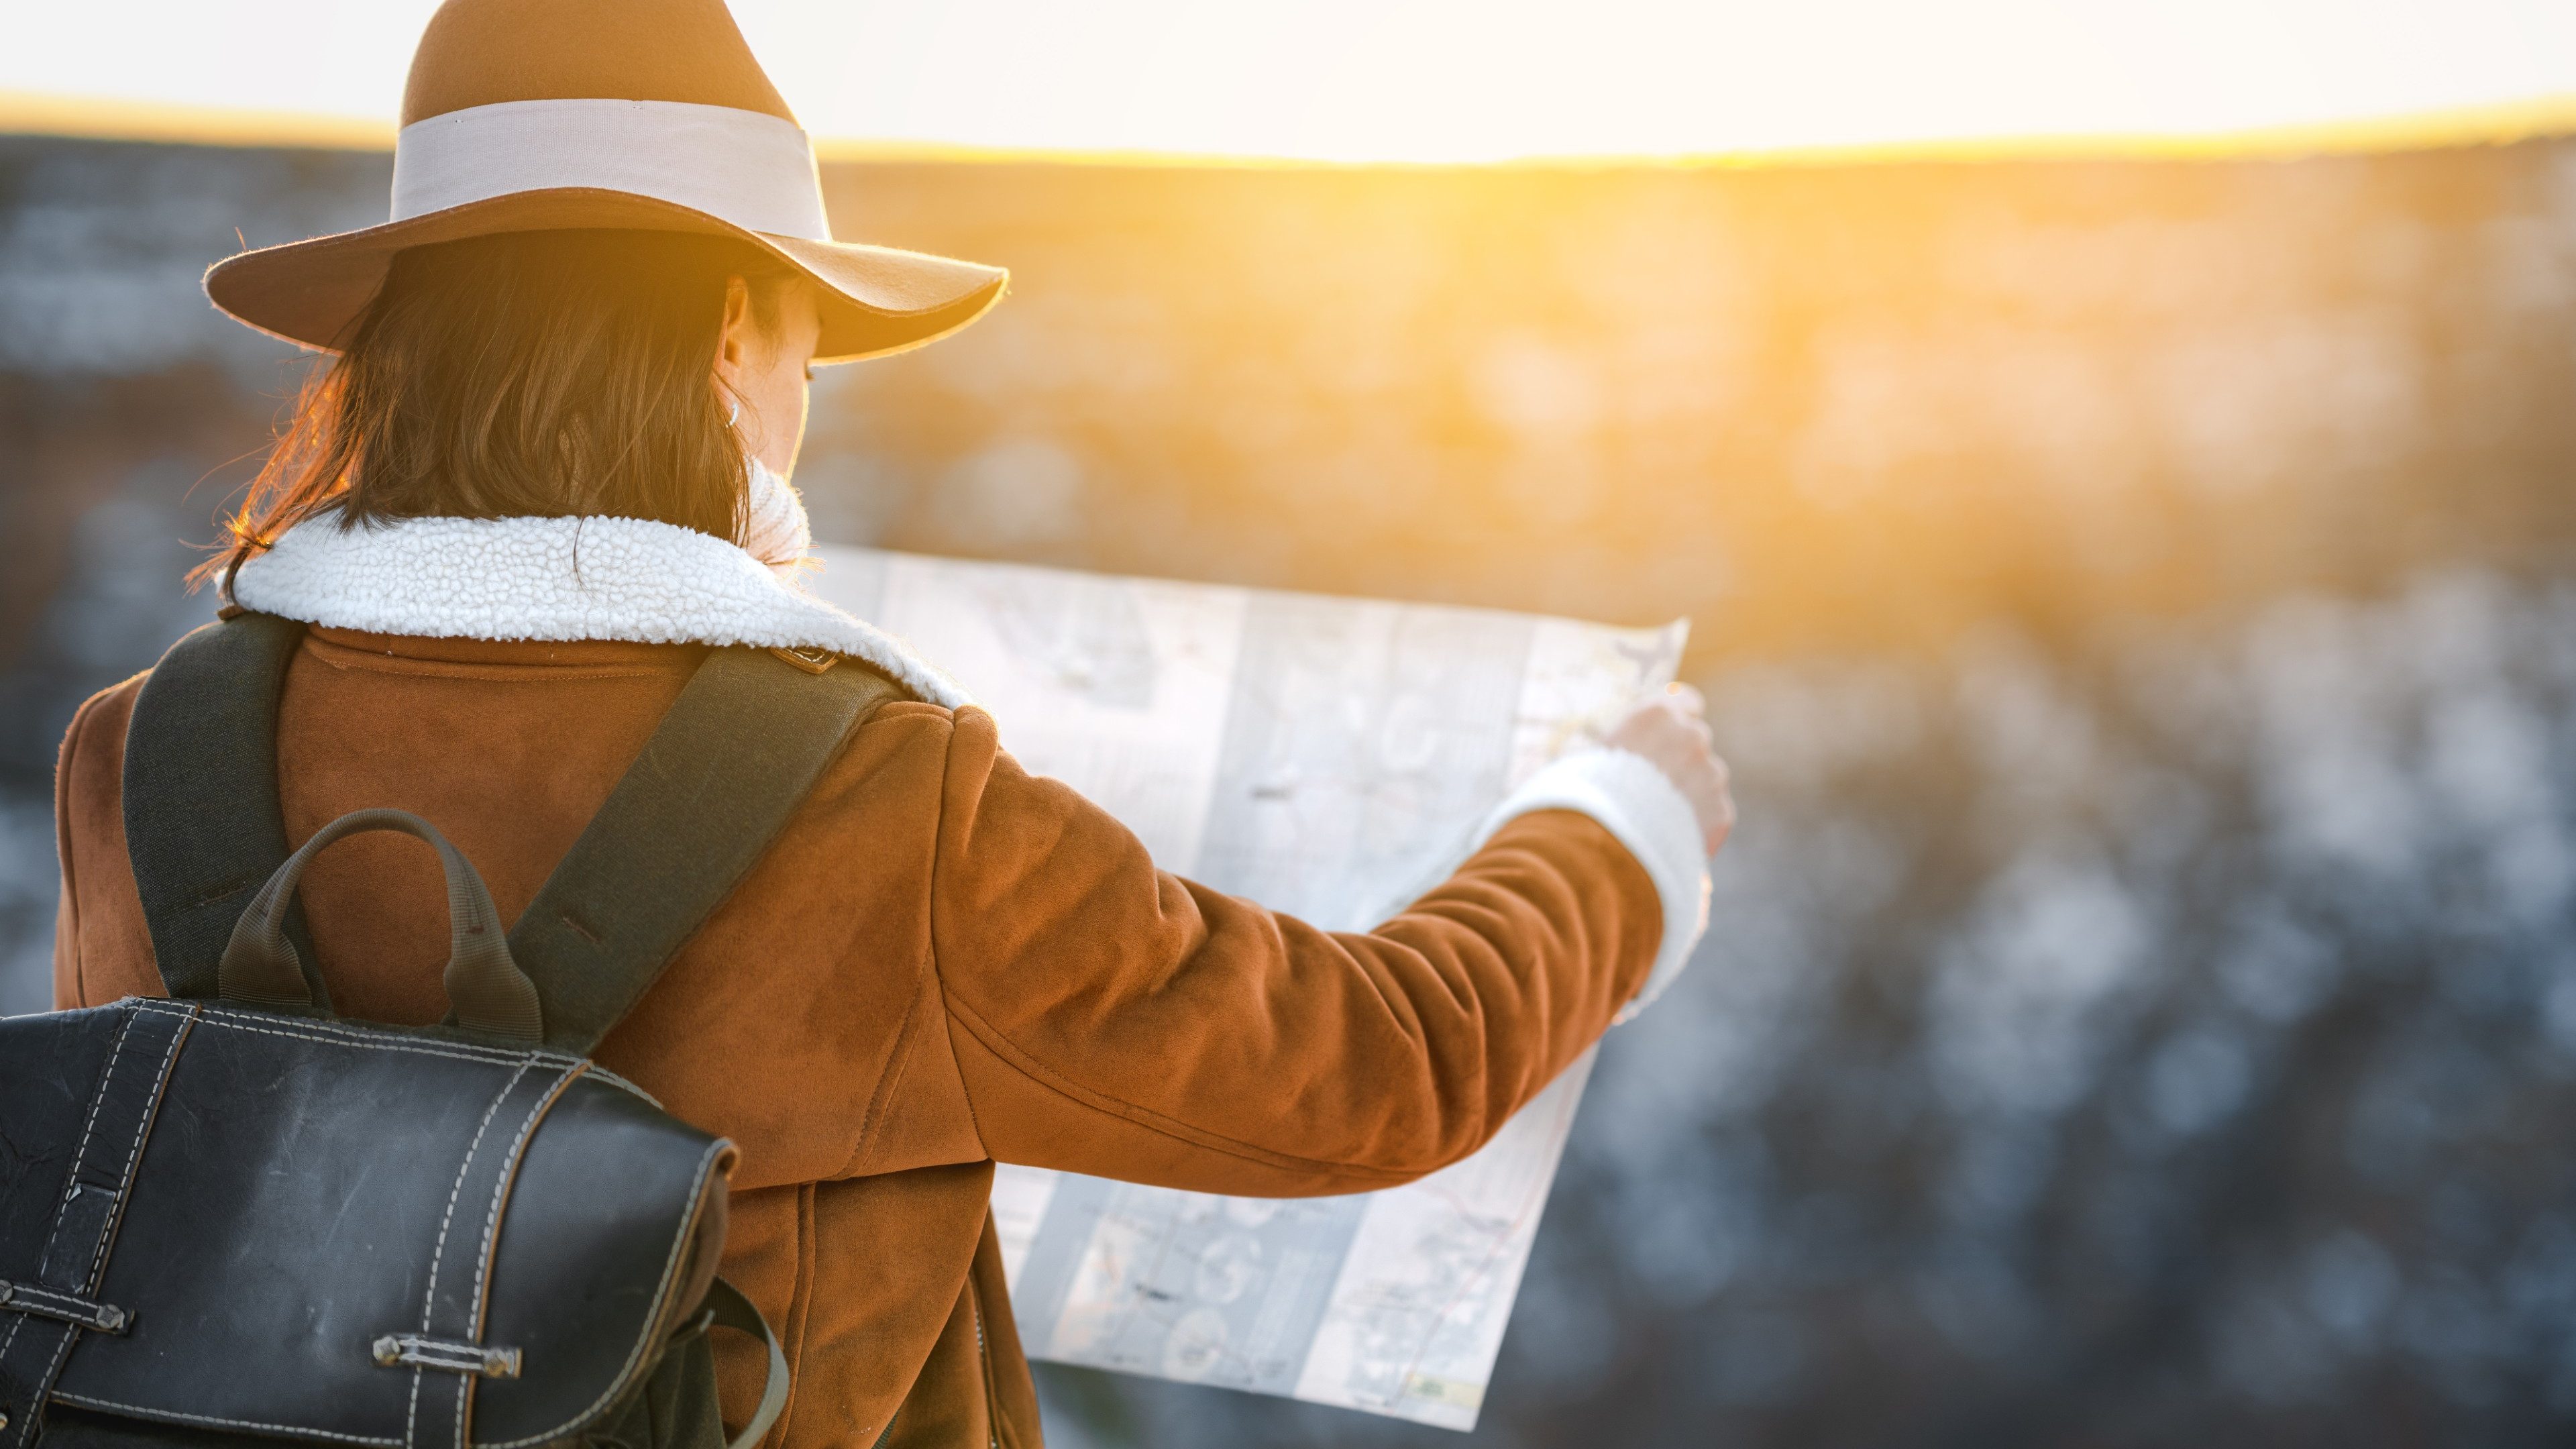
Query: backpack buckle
(812, 661)
(79, 1312)
(397, 1350)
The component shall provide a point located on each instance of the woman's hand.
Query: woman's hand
(1672, 733)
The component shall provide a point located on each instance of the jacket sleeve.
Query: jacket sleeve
(1113, 1019)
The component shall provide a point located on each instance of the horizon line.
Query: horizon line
(35, 113)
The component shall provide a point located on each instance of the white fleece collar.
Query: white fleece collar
(559, 579)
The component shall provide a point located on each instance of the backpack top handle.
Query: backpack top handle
(486, 990)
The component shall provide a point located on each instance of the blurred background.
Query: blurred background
(2135, 581)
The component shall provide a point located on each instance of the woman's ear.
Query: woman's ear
(737, 337)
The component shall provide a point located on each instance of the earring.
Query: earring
(734, 416)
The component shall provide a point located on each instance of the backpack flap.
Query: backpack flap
(357, 1237)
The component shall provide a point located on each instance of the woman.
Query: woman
(543, 477)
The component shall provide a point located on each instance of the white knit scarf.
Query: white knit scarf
(775, 529)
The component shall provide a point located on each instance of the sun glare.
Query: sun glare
(1418, 80)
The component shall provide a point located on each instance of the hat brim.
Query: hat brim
(874, 300)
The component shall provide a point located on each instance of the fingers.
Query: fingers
(1685, 707)
(1679, 702)
(1671, 730)
(1709, 781)
(1667, 722)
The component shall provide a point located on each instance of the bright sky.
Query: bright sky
(1427, 80)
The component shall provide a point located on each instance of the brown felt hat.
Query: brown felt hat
(539, 115)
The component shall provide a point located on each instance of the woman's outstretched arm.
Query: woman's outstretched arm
(1117, 1020)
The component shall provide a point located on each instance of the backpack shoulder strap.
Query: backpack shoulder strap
(202, 823)
(729, 764)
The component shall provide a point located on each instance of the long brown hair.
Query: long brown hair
(549, 373)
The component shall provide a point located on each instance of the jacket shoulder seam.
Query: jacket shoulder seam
(906, 1043)
(930, 935)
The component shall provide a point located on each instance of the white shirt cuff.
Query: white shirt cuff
(1638, 804)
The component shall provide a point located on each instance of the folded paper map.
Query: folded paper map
(1330, 758)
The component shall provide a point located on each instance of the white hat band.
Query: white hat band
(753, 170)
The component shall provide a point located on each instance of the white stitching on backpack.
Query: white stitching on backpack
(492, 1227)
(429, 1299)
(617, 1385)
(71, 1184)
(411, 1407)
(458, 1051)
(464, 1397)
(501, 1189)
(80, 1157)
(142, 1130)
(324, 1034)
(84, 1401)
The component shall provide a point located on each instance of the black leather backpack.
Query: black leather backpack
(231, 1216)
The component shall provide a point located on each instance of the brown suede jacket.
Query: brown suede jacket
(942, 963)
